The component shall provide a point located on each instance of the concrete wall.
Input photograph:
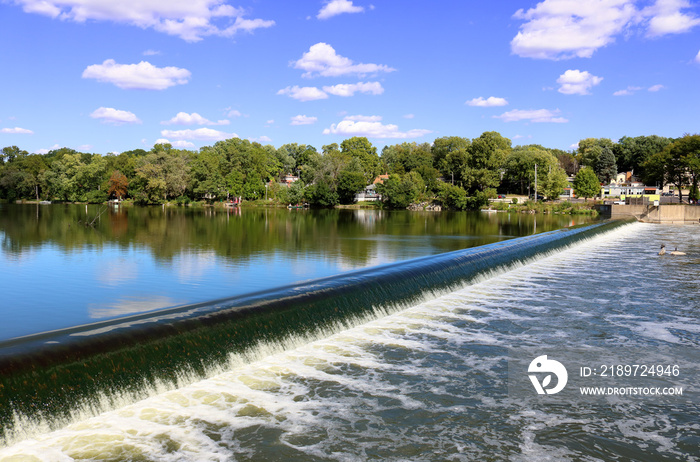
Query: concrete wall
(652, 214)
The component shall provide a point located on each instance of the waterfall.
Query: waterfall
(51, 376)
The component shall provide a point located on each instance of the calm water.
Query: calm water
(55, 272)
(428, 382)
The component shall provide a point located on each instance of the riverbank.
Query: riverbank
(511, 205)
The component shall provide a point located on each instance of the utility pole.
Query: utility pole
(535, 182)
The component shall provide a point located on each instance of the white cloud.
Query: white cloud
(85, 147)
(270, 122)
(46, 151)
(697, 58)
(204, 134)
(233, 112)
(141, 76)
(303, 120)
(560, 29)
(666, 17)
(575, 82)
(371, 127)
(349, 89)
(109, 115)
(151, 52)
(181, 144)
(321, 59)
(336, 7)
(409, 116)
(190, 20)
(183, 118)
(16, 131)
(303, 93)
(627, 91)
(491, 101)
(656, 87)
(261, 139)
(535, 116)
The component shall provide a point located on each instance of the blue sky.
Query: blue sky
(100, 76)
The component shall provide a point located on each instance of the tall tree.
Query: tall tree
(360, 148)
(586, 183)
(118, 184)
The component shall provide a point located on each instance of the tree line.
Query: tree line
(458, 172)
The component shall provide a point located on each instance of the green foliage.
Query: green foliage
(632, 153)
(586, 183)
(359, 147)
(519, 171)
(399, 191)
(452, 196)
(349, 183)
(320, 194)
(96, 196)
(295, 193)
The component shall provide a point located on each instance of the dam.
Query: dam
(406, 360)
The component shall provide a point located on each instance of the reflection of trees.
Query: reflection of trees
(348, 235)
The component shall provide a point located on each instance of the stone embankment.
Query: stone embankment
(428, 206)
(667, 213)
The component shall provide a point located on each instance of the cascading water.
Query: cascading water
(424, 383)
(49, 375)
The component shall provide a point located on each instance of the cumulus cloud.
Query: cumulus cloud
(667, 17)
(371, 127)
(109, 115)
(16, 131)
(141, 76)
(342, 89)
(183, 118)
(349, 89)
(322, 60)
(181, 144)
(47, 150)
(336, 7)
(627, 91)
(575, 82)
(559, 29)
(303, 120)
(491, 101)
(303, 93)
(190, 20)
(562, 29)
(655, 88)
(204, 134)
(261, 139)
(232, 112)
(535, 116)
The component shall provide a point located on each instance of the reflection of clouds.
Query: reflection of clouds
(117, 271)
(130, 305)
(191, 266)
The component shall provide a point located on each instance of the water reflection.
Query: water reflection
(130, 305)
(57, 272)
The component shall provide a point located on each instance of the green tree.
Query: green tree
(586, 183)
(399, 191)
(350, 181)
(596, 153)
(449, 157)
(607, 168)
(360, 148)
(453, 196)
(631, 154)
